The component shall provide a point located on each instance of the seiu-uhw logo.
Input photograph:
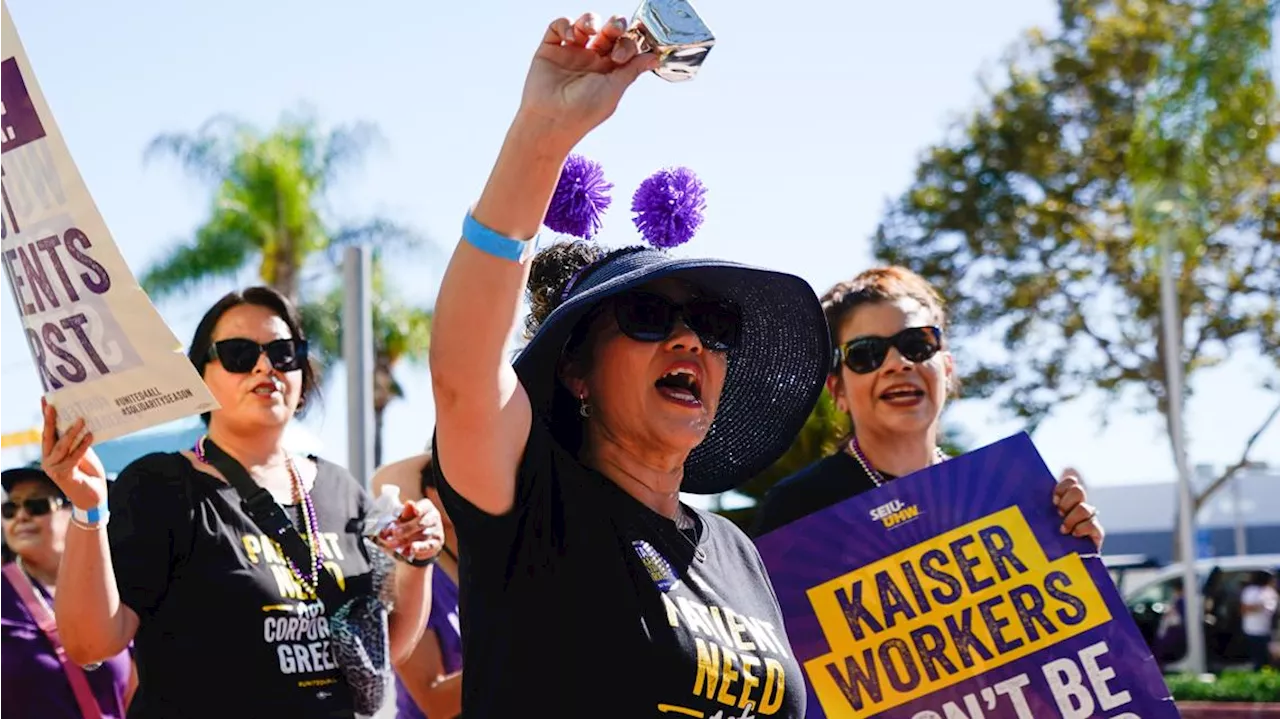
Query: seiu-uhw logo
(892, 514)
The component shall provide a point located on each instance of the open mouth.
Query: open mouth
(267, 389)
(680, 384)
(902, 395)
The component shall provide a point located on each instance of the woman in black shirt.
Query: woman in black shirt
(892, 376)
(224, 623)
(587, 587)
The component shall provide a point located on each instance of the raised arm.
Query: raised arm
(93, 623)
(575, 81)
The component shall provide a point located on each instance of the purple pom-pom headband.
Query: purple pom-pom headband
(668, 206)
(581, 197)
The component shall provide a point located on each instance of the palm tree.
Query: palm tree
(269, 202)
(400, 332)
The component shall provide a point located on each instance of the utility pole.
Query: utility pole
(357, 353)
(1194, 619)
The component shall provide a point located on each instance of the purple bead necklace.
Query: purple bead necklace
(311, 526)
(876, 478)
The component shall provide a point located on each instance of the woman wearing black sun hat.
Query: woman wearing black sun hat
(644, 376)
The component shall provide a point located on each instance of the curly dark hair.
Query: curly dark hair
(552, 269)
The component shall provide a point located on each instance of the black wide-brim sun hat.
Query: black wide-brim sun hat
(12, 477)
(775, 373)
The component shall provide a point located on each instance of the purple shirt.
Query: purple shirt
(32, 680)
(443, 620)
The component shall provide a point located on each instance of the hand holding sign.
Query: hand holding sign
(70, 461)
(1078, 518)
(102, 352)
(978, 598)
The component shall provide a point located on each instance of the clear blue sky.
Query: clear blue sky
(806, 119)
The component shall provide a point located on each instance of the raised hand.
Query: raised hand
(580, 72)
(69, 461)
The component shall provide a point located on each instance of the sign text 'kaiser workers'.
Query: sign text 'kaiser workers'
(952, 594)
(101, 350)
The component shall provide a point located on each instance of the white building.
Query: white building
(1242, 517)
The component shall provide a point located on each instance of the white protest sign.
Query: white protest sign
(101, 349)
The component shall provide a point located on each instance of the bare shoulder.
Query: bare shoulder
(405, 474)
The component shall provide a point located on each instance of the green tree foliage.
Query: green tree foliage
(401, 332)
(269, 205)
(1034, 217)
(270, 208)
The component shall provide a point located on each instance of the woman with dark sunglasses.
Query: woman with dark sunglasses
(180, 566)
(892, 376)
(587, 587)
(35, 680)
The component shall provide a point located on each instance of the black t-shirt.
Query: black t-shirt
(582, 602)
(828, 481)
(226, 631)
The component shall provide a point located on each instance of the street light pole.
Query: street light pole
(357, 353)
(1194, 616)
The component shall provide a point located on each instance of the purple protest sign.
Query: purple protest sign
(19, 121)
(951, 593)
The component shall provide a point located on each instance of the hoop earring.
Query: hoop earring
(584, 409)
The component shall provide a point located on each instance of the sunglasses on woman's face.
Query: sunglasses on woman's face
(646, 317)
(36, 507)
(240, 355)
(865, 354)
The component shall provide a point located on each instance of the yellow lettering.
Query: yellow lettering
(251, 547)
(708, 668)
(286, 584)
(749, 681)
(901, 516)
(728, 673)
(271, 551)
(336, 571)
(775, 684)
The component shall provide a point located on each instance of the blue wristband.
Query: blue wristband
(92, 517)
(491, 243)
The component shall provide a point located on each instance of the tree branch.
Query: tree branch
(1103, 343)
(1243, 462)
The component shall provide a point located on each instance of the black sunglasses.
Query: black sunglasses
(240, 355)
(865, 354)
(36, 507)
(646, 317)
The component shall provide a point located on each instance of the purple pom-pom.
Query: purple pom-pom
(668, 207)
(581, 197)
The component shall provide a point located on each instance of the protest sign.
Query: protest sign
(101, 350)
(951, 594)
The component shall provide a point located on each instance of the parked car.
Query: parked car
(1124, 567)
(1221, 580)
